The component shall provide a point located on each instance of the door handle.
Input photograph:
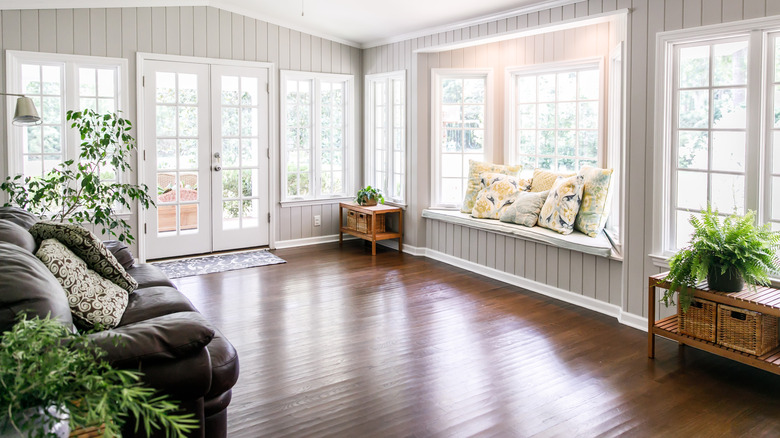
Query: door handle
(217, 168)
(217, 163)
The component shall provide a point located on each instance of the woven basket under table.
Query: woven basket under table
(746, 330)
(700, 319)
(364, 223)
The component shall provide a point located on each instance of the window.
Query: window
(56, 84)
(386, 134)
(555, 116)
(718, 137)
(317, 135)
(461, 130)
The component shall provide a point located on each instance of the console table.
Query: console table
(761, 299)
(371, 235)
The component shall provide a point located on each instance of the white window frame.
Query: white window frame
(349, 161)
(757, 176)
(510, 144)
(370, 134)
(437, 75)
(70, 65)
(616, 140)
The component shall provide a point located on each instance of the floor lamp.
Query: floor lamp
(25, 113)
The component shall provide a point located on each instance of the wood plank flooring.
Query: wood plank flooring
(337, 343)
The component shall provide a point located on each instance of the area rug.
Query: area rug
(218, 263)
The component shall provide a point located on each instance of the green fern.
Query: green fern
(734, 244)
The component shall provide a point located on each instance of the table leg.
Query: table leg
(651, 319)
(401, 231)
(341, 222)
(373, 234)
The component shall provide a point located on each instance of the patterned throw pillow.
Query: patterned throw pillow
(87, 247)
(596, 192)
(92, 298)
(498, 192)
(476, 168)
(544, 179)
(526, 208)
(562, 204)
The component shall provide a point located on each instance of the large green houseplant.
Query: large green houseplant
(726, 252)
(48, 372)
(86, 190)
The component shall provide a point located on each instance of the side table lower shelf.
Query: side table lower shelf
(667, 328)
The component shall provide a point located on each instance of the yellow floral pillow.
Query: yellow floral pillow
(596, 192)
(476, 168)
(562, 204)
(544, 179)
(499, 191)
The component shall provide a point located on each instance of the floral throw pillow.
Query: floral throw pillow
(596, 192)
(525, 209)
(498, 192)
(474, 185)
(562, 204)
(87, 247)
(94, 300)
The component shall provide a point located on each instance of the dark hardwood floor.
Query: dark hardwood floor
(338, 343)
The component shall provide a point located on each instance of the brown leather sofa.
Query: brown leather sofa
(161, 333)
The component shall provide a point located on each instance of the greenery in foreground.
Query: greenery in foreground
(43, 364)
(87, 190)
(733, 244)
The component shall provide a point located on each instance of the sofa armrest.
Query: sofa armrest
(164, 338)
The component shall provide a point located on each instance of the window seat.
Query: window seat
(576, 241)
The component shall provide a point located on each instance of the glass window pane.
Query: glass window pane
(230, 152)
(87, 86)
(249, 183)
(473, 116)
(51, 78)
(526, 89)
(249, 152)
(166, 121)
(546, 84)
(31, 78)
(694, 67)
(188, 88)
(51, 112)
(691, 190)
(452, 91)
(230, 121)
(32, 139)
(106, 83)
(166, 154)
(775, 197)
(692, 149)
(52, 139)
(249, 126)
(693, 108)
(526, 116)
(451, 165)
(729, 110)
(728, 151)
(730, 63)
(546, 116)
(249, 94)
(165, 87)
(588, 115)
(88, 103)
(567, 115)
(188, 121)
(188, 154)
(728, 193)
(452, 190)
(684, 228)
(546, 142)
(230, 90)
(567, 143)
(776, 152)
(588, 83)
(474, 90)
(567, 86)
(230, 183)
(105, 106)
(588, 143)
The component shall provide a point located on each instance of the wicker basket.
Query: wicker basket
(700, 319)
(746, 330)
(352, 219)
(364, 223)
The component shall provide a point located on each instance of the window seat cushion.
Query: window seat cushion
(576, 241)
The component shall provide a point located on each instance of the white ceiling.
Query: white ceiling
(368, 22)
(361, 23)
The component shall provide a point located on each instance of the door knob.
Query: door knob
(217, 168)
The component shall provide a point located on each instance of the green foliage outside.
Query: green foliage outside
(44, 364)
(732, 244)
(77, 191)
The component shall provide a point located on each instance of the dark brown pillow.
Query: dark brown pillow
(88, 248)
(12, 233)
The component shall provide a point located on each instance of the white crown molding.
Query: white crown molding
(540, 6)
(219, 4)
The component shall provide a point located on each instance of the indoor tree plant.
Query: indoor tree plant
(726, 252)
(87, 190)
(48, 373)
(369, 196)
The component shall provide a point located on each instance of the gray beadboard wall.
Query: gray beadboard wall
(190, 31)
(646, 18)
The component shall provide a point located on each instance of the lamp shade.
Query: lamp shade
(25, 113)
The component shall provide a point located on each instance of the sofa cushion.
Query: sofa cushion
(224, 365)
(562, 204)
(166, 337)
(525, 209)
(596, 191)
(93, 299)
(149, 275)
(122, 253)
(87, 247)
(13, 233)
(474, 185)
(152, 302)
(498, 193)
(27, 286)
(544, 179)
(19, 216)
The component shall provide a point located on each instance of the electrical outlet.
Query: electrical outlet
(317, 221)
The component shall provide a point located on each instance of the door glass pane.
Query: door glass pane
(188, 218)
(166, 218)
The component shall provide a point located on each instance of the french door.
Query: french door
(206, 157)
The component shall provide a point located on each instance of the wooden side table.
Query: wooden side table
(371, 234)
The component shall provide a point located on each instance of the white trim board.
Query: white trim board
(293, 243)
(629, 319)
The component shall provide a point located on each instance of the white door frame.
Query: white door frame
(273, 131)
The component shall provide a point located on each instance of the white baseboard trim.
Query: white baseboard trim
(408, 249)
(613, 310)
(310, 241)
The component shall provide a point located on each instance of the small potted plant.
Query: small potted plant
(53, 380)
(726, 252)
(369, 196)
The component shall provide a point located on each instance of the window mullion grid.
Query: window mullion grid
(388, 137)
(772, 133)
(315, 157)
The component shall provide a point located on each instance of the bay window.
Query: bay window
(385, 159)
